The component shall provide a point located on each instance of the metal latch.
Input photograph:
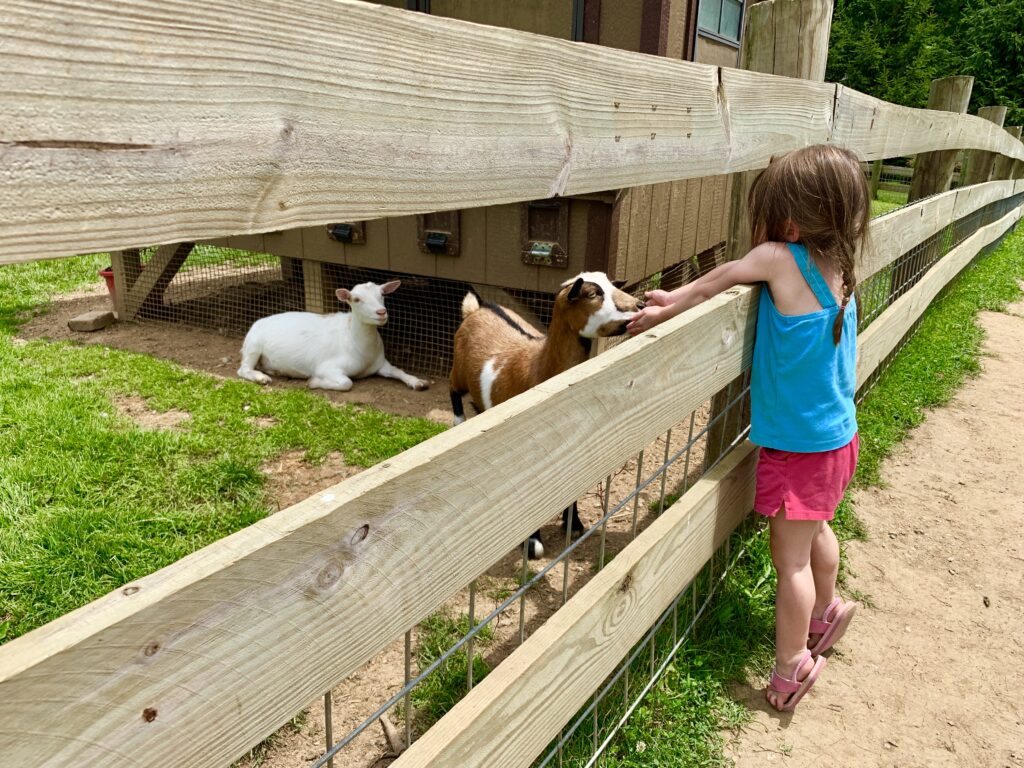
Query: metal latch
(350, 232)
(436, 242)
(541, 254)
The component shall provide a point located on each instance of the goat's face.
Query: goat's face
(598, 308)
(367, 301)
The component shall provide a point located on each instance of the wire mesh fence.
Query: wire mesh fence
(227, 290)
(619, 509)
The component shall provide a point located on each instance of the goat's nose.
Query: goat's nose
(640, 305)
(382, 312)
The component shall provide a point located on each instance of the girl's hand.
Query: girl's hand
(646, 318)
(658, 298)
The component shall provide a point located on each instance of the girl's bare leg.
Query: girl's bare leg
(825, 569)
(791, 544)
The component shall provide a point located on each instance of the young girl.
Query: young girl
(809, 215)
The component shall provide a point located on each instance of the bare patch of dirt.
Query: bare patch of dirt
(291, 479)
(138, 410)
(218, 354)
(932, 673)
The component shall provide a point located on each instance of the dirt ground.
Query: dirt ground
(931, 673)
(290, 480)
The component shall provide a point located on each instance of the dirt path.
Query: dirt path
(933, 673)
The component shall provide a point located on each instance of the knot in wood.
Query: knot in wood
(360, 534)
(149, 714)
(329, 575)
(129, 591)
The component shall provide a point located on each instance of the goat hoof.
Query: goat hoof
(420, 385)
(535, 549)
(577, 532)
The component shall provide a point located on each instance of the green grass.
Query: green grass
(90, 501)
(680, 723)
(445, 686)
(886, 201)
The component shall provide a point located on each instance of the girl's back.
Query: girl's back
(802, 381)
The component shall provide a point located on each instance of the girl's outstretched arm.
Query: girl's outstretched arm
(756, 267)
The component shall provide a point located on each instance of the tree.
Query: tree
(893, 50)
(991, 37)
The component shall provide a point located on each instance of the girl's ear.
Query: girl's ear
(792, 231)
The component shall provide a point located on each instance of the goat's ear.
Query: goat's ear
(574, 292)
(390, 287)
(619, 283)
(343, 294)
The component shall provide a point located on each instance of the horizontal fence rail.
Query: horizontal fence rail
(499, 724)
(258, 116)
(193, 664)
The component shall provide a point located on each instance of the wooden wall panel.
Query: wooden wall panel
(504, 263)
(545, 17)
(376, 251)
(471, 263)
(620, 24)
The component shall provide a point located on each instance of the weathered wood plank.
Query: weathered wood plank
(639, 232)
(1003, 166)
(148, 288)
(979, 162)
(263, 621)
(933, 171)
(513, 714)
(898, 232)
(262, 118)
(886, 331)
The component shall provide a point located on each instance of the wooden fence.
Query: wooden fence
(297, 125)
(258, 117)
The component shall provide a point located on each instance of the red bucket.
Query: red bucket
(108, 275)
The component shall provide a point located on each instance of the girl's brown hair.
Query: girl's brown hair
(822, 190)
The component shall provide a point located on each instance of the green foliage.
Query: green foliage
(990, 37)
(893, 50)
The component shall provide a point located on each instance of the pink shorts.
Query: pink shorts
(809, 485)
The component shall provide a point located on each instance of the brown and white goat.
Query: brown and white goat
(498, 355)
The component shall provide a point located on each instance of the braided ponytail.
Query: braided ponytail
(849, 283)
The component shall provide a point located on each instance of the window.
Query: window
(722, 18)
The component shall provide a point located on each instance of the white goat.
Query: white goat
(329, 350)
(498, 355)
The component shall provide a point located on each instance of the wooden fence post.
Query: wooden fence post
(876, 178)
(933, 171)
(979, 162)
(1003, 168)
(780, 37)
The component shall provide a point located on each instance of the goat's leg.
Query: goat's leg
(330, 377)
(535, 547)
(391, 372)
(250, 359)
(577, 525)
(457, 409)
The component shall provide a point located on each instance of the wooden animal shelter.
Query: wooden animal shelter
(526, 247)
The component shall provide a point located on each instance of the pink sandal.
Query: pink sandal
(832, 625)
(796, 688)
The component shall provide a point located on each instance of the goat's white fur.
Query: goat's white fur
(329, 350)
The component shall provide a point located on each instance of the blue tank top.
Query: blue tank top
(802, 384)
